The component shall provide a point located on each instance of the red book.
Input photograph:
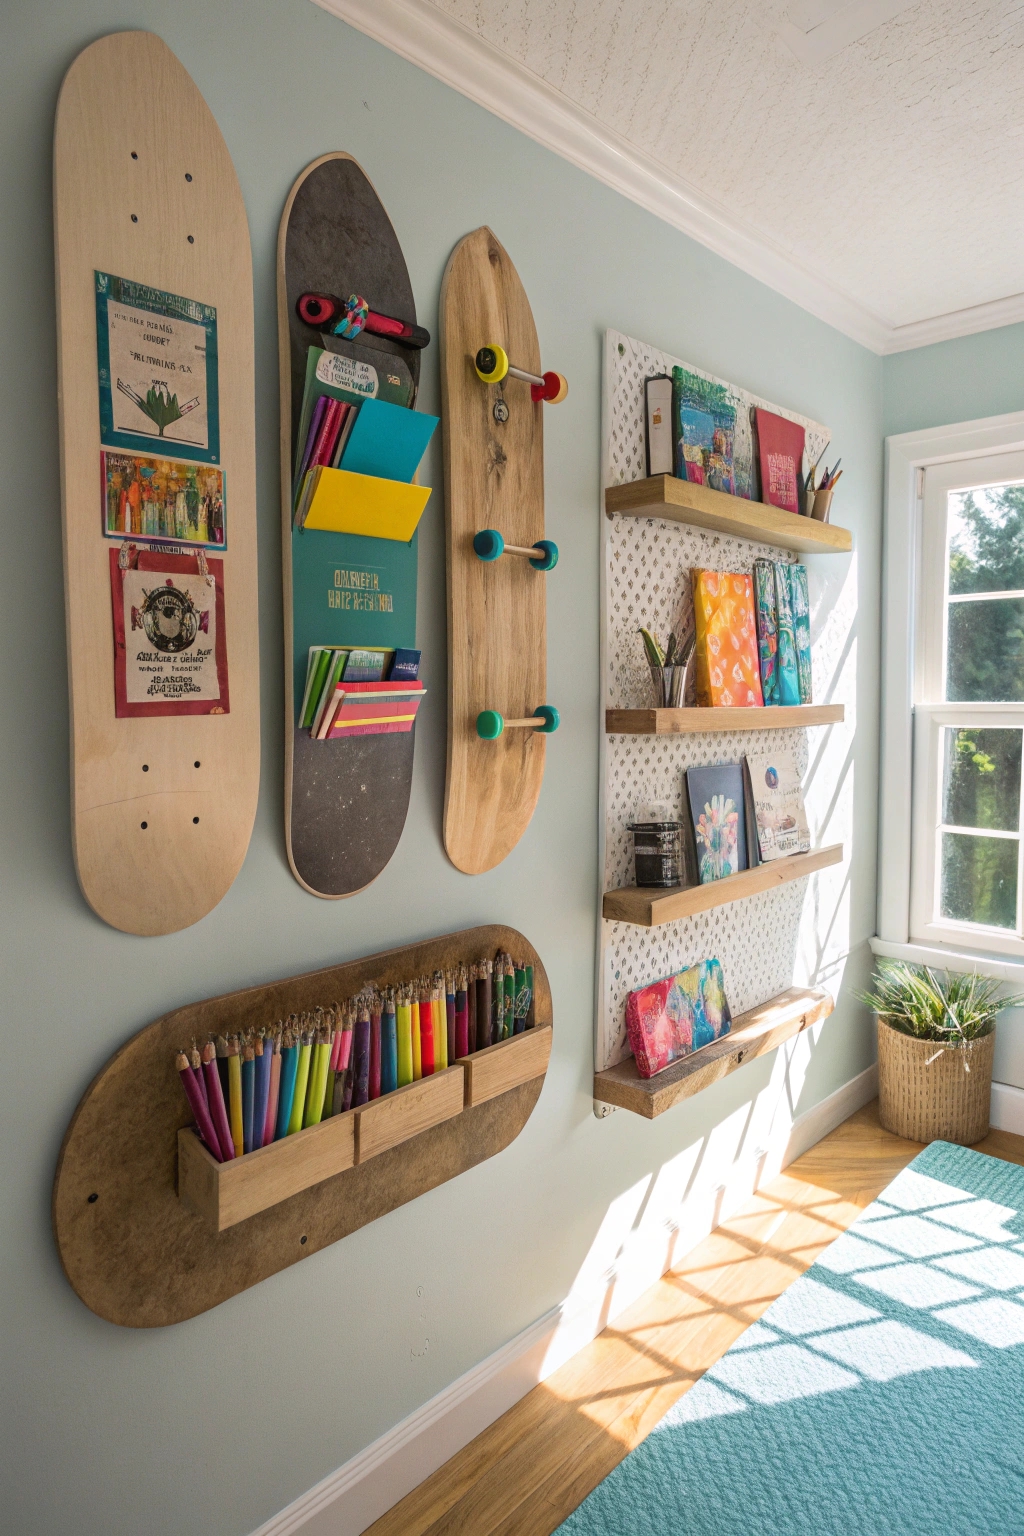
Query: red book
(781, 450)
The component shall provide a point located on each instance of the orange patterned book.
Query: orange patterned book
(727, 660)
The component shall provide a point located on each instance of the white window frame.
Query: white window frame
(906, 457)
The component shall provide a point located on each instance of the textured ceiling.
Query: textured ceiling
(893, 167)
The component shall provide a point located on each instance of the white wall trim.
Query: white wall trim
(350, 1499)
(454, 54)
(905, 455)
(1007, 1112)
(943, 958)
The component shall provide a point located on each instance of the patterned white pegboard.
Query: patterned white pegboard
(762, 941)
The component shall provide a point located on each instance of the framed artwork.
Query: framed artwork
(170, 648)
(157, 361)
(148, 499)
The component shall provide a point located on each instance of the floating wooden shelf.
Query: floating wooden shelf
(665, 496)
(648, 906)
(684, 722)
(753, 1034)
(505, 1065)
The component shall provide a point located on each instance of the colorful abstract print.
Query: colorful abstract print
(671, 1018)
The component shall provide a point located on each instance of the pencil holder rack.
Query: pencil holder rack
(489, 545)
(492, 365)
(490, 724)
(151, 1229)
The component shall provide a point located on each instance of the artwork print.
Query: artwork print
(157, 361)
(148, 499)
(170, 655)
(672, 1018)
(717, 812)
(705, 430)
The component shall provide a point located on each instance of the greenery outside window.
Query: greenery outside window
(967, 864)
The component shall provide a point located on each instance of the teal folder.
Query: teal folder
(387, 441)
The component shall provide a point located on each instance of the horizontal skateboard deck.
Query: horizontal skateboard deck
(494, 479)
(155, 366)
(346, 799)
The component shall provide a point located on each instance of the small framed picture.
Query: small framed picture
(170, 649)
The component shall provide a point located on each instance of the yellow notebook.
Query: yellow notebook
(342, 502)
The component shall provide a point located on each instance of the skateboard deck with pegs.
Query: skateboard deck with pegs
(345, 800)
(494, 481)
(162, 804)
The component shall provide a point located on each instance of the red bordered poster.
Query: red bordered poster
(170, 648)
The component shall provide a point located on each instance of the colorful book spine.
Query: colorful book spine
(767, 618)
(789, 676)
(800, 602)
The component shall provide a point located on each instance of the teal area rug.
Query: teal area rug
(882, 1394)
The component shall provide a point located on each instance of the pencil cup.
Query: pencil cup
(809, 503)
(822, 503)
(668, 686)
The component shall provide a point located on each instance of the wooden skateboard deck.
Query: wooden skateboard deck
(162, 805)
(345, 800)
(494, 479)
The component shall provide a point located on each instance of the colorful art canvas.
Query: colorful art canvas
(727, 667)
(778, 804)
(800, 603)
(705, 431)
(789, 674)
(716, 810)
(676, 1016)
(781, 449)
(767, 620)
(152, 500)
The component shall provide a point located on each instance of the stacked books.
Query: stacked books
(360, 692)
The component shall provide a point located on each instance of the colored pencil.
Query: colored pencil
(426, 1032)
(262, 1048)
(449, 1014)
(440, 1024)
(222, 1066)
(235, 1095)
(471, 1002)
(361, 1058)
(197, 1101)
(510, 1001)
(270, 1123)
(461, 1017)
(403, 1027)
(373, 1083)
(531, 1017)
(248, 1094)
(521, 1001)
(321, 1055)
(301, 1080)
(388, 1046)
(417, 1039)
(289, 1071)
(484, 1035)
(215, 1099)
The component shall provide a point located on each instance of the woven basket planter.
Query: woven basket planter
(925, 1093)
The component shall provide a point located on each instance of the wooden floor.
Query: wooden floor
(534, 1465)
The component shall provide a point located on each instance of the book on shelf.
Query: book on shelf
(767, 618)
(788, 667)
(704, 422)
(671, 1018)
(800, 604)
(782, 826)
(780, 452)
(658, 412)
(717, 811)
(339, 677)
(726, 658)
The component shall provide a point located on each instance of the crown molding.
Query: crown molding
(453, 54)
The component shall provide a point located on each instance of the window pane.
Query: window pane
(986, 539)
(979, 879)
(985, 652)
(981, 778)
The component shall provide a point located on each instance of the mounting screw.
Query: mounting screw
(302, 1239)
(93, 1199)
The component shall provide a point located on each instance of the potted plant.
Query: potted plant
(936, 1040)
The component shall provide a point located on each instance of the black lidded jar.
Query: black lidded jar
(658, 852)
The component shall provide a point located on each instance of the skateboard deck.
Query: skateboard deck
(346, 799)
(147, 199)
(494, 479)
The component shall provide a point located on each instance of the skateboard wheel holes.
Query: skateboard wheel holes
(134, 155)
(187, 176)
(302, 1239)
(143, 825)
(145, 767)
(196, 763)
(93, 1199)
(135, 218)
(191, 240)
(195, 821)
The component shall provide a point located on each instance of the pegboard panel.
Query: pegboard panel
(647, 565)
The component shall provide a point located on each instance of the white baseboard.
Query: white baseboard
(351, 1498)
(1007, 1112)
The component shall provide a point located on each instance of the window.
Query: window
(967, 854)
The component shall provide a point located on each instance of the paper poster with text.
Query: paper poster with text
(170, 653)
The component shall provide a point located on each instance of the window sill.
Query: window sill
(946, 957)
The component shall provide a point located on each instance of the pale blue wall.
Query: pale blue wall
(112, 1432)
(961, 380)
